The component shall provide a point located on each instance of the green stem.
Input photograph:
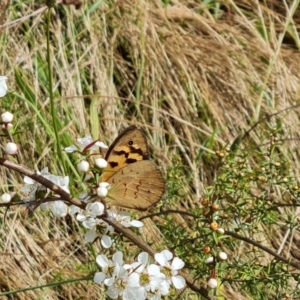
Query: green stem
(52, 104)
(31, 288)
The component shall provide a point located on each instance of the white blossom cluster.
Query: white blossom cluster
(139, 280)
(96, 226)
(32, 188)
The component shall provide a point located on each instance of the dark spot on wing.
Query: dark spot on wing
(113, 164)
(122, 152)
(131, 160)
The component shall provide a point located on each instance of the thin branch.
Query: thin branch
(42, 180)
(258, 245)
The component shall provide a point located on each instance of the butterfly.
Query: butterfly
(136, 182)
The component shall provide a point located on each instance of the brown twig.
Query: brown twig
(45, 182)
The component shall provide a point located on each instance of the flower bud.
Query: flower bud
(222, 255)
(101, 163)
(215, 207)
(212, 283)
(221, 230)
(209, 260)
(7, 117)
(7, 126)
(5, 198)
(11, 148)
(102, 191)
(214, 226)
(206, 249)
(83, 166)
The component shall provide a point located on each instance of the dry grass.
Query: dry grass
(194, 82)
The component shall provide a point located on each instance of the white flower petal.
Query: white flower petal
(101, 145)
(143, 258)
(164, 288)
(109, 281)
(106, 241)
(153, 270)
(178, 282)
(73, 209)
(163, 257)
(90, 223)
(71, 149)
(95, 209)
(90, 236)
(85, 141)
(177, 263)
(134, 293)
(133, 280)
(81, 217)
(104, 184)
(112, 292)
(168, 254)
(137, 267)
(28, 180)
(102, 261)
(118, 258)
(99, 277)
(136, 223)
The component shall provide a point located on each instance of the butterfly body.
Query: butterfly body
(135, 181)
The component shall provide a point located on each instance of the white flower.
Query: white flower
(59, 208)
(212, 283)
(31, 187)
(123, 217)
(7, 117)
(94, 209)
(83, 166)
(5, 198)
(101, 163)
(127, 287)
(171, 269)
(97, 227)
(11, 148)
(86, 142)
(110, 268)
(3, 86)
(150, 276)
